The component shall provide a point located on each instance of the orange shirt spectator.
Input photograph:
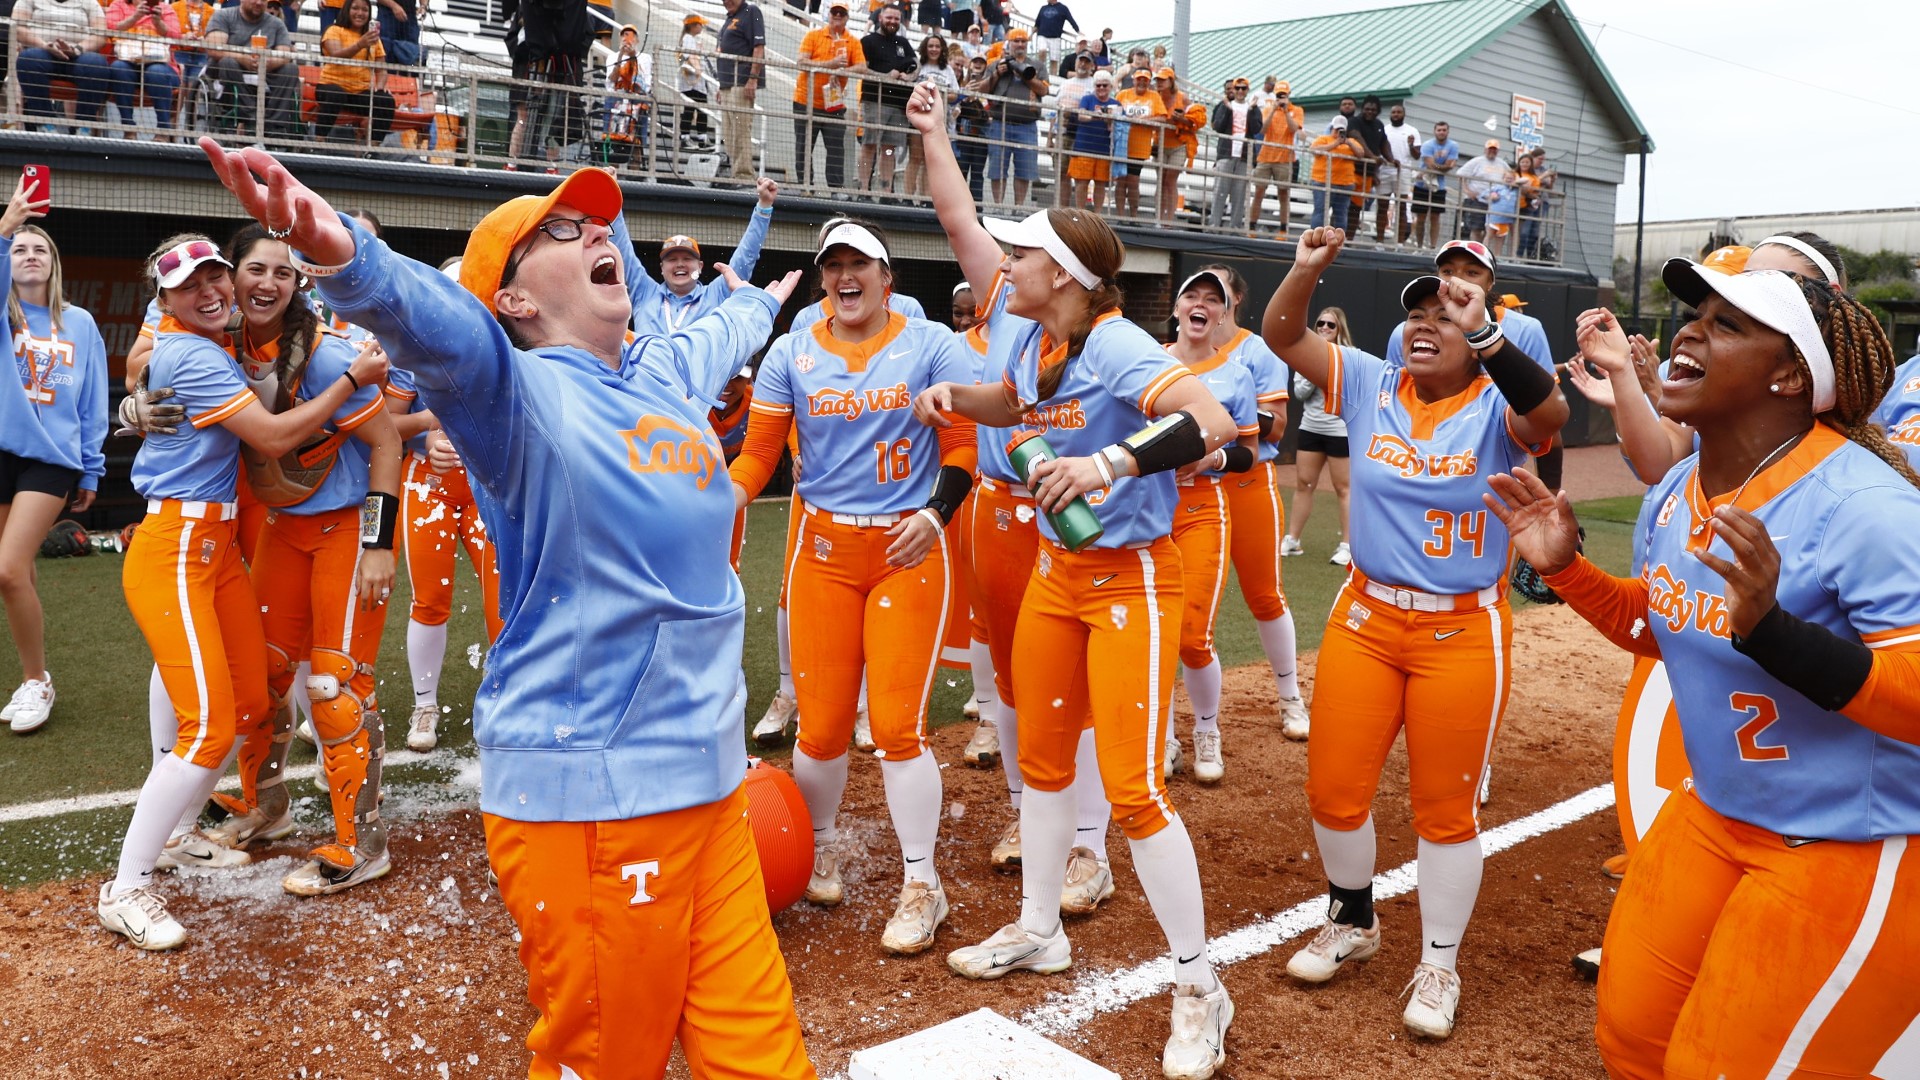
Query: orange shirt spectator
(826, 45)
(194, 15)
(1284, 125)
(1339, 150)
(355, 80)
(1145, 112)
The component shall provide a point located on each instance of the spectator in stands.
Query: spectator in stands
(1334, 155)
(238, 70)
(554, 36)
(1070, 62)
(60, 39)
(1178, 143)
(1137, 60)
(1146, 116)
(962, 16)
(939, 67)
(1103, 49)
(1480, 180)
(400, 31)
(972, 43)
(1049, 25)
(1533, 213)
(694, 80)
(742, 45)
(932, 17)
(350, 89)
(143, 62)
(1439, 156)
(1265, 97)
(1276, 163)
(1090, 167)
(1014, 134)
(630, 102)
(884, 89)
(810, 7)
(1371, 130)
(972, 121)
(1238, 124)
(827, 54)
(994, 14)
(193, 17)
(1397, 168)
(1078, 85)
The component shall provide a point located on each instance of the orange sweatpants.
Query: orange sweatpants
(1259, 519)
(440, 517)
(848, 611)
(1097, 633)
(1200, 530)
(1442, 676)
(638, 932)
(1731, 954)
(304, 575)
(190, 596)
(1005, 537)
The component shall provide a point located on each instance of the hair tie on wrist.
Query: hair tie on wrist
(348, 375)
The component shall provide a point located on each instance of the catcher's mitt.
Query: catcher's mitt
(66, 539)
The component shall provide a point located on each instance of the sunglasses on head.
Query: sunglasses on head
(1474, 246)
(181, 254)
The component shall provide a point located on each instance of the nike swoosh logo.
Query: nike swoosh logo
(1007, 961)
(1196, 508)
(1777, 539)
(1191, 959)
(922, 858)
(329, 528)
(1099, 581)
(895, 354)
(1442, 635)
(1437, 945)
(1244, 483)
(139, 937)
(1341, 957)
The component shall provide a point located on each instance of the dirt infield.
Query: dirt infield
(417, 975)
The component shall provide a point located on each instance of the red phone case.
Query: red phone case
(39, 182)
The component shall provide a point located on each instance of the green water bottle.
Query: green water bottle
(1077, 525)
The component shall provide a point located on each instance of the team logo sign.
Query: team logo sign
(853, 404)
(803, 363)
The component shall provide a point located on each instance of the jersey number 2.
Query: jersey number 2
(1761, 712)
(892, 461)
(1470, 527)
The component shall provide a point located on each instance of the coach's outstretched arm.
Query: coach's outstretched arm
(1287, 327)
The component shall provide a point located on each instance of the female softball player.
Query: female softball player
(609, 720)
(51, 433)
(1200, 520)
(1258, 516)
(1768, 924)
(871, 588)
(1419, 637)
(1321, 445)
(1097, 628)
(183, 577)
(322, 574)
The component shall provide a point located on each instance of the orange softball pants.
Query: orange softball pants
(848, 611)
(1441, 675)
(1258, 520)
(1200, 530)
(1731, 954)
(190, 596)
(304, 575)
(1004, 539)
(638, 932)
(1097, 633)
(440, 517)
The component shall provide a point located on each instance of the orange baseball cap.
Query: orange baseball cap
(492, 241)
(1243, 81)
(680, 242)
(1728, 260)
(1283, 87)
(1164, 73)
(1018, 34)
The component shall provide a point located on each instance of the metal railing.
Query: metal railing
(456, 111)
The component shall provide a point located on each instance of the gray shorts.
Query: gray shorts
(883, 125)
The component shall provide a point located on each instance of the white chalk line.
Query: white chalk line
(107, 800)
(1112, 991)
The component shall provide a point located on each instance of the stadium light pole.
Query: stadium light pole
(1182, 17)
(1639, 233)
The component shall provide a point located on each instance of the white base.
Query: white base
(979, 1044)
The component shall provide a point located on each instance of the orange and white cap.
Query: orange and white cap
(491, 243)
(680, 242)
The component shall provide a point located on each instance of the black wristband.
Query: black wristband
(378, 516)
(1522, 382)
(1823, 666)
(1237, 458)
(1166, 444)
(1266, 421)
(950, 488)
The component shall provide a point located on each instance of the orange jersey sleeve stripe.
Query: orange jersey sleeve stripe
(1251, 429)
(1281, 396)
(1159, 386)
(224, 410)
(367, 412)
(769, 409)
(1336, 374)
(398, 394)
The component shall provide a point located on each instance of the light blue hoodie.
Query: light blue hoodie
(59, 414)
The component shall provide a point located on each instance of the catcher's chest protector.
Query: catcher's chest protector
(294, 476)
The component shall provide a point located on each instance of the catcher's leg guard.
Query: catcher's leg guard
(346, 719)
(263, 753)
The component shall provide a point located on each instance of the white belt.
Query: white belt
(862, 521)
(1415, 600)
(1201, 478)
(1018, 491)
(209, 511)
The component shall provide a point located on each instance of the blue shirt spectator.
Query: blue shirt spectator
(1052, 20)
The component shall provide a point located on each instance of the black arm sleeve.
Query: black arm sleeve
(950, 487)
(1167, 443)
(1825, 667)
(1238, 458)
(1522, 382)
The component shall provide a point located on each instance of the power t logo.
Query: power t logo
(660, 445)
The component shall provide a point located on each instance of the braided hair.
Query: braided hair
(300, 323)
(1863, 367)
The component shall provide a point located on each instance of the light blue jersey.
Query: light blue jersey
(1899, 411)
(400, 387)
(1848, 531)
(1107, 394)
(1270, 380)
(814, 312)
(656, 310)
(614, 690)
(994, 464)
(1525, 331)
(346, 483)
(1231, 384)
(201, 461)
(1419, 469)
(852, 407)
(60, 415)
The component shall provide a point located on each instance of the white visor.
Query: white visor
(176, 264)
(962, 287)
(1036, 231)
(1773, 298)
(1811, 253)
(1219, 282)
(452, 269)
(857, 237)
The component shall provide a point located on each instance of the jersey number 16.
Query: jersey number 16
(892, 461)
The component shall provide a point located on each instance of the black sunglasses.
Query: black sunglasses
(1326, 325)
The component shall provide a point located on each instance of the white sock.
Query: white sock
(1170, 875)
(863, 689)
(161, 720)
(821, 784)
(1203, 689)
(1277, 641)
(302, 704)
(1449, 882)
(786, 652)
(1046, 838)
(1008, 721)
(171, 788)
(1347, 856)
(426, 651)
(914, 799)
(986, 696)
(190, 817)
(1093, 812)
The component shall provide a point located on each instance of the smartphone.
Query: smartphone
(39, 182)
